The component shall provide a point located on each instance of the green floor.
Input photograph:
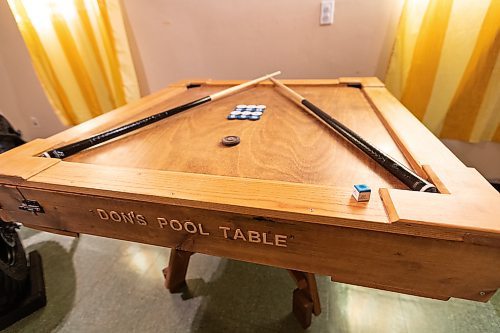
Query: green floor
(102, 285)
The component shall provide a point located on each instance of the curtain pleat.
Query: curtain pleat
(445, 66)
(420, 81)
(73, 46)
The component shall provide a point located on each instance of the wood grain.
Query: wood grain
(296, 201)
(10, 199)
(175, 273)
(19, 164)
(133, 111)
(467, 201)
(417, 143)
(286, 144)
(317, 159)
(415, 265)
(470, 212)
(289, 176)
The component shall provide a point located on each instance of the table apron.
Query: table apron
(408, 264)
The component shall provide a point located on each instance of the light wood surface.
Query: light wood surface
(409, 264)
(287, 200)
(286, 144)
(20, 164)
(467, 200)
(418, 144)
(290, 179)
(475, 202)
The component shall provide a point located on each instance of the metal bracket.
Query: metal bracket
(31, 206)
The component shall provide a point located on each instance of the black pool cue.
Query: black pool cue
(405, 175)
(76, 147)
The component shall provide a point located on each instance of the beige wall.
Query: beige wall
(241, 39)
(21, 96)
(484, 156)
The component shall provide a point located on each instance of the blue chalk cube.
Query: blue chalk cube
(361, 192)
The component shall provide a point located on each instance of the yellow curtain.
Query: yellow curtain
(445, 67)
(80, 53)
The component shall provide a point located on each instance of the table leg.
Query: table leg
(175, 273)
(305, 297)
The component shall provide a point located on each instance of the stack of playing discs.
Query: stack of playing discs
(250, 112)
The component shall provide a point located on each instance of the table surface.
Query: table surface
(286, 144)
(293, 163)
(281, 197)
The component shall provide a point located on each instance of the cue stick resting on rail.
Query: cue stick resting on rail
(405, 175)
(76, 147)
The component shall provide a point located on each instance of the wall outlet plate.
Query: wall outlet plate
(326, 14)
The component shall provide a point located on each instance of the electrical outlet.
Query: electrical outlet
(326, 15)
(34, 122)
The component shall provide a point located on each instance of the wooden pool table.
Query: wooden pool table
(282, 197)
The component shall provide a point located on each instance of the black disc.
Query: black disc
(231, 140)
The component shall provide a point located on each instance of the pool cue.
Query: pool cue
(405, 175)
(76, 147)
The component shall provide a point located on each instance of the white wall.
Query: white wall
(241, 39)
(21, 96)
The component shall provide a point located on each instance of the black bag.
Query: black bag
(14, 271)
(9, 137)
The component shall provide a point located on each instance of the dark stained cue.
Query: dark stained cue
(76, 147)
(405, 175)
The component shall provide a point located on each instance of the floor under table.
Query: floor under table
(102, 285)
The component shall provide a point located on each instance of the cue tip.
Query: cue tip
(273, 74)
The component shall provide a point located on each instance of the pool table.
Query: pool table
(281, 197)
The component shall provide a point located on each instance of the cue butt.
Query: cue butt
(291, 93)
(405, 175)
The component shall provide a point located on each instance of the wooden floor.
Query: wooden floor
(102, 285)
